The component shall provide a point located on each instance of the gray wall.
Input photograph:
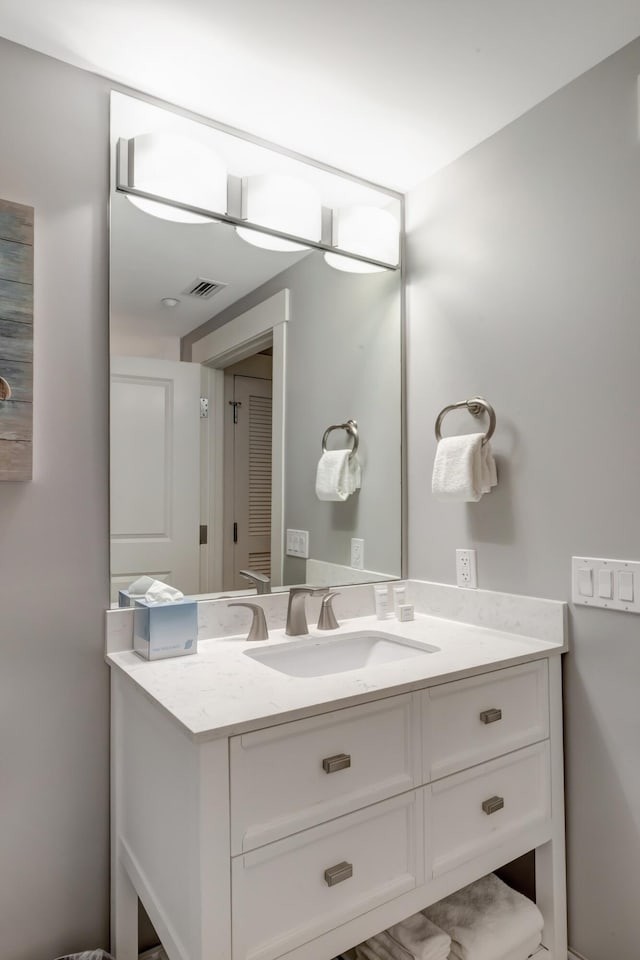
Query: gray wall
(343, 360)
(54, 792)
(524, 286)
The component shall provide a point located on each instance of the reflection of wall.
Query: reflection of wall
(343, 360)
(525, 287)
(54, 561)
(126, 344)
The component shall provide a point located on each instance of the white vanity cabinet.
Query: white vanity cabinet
(302, 838)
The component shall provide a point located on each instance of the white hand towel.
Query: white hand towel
(464, 468)
(338, 475)
(487, 919)
(422, 938)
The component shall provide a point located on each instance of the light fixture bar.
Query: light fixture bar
(124, 178)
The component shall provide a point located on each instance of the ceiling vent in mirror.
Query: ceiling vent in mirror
(203, 289)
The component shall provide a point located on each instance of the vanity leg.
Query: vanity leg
(124, 915)
(551, 895)
(124, 898)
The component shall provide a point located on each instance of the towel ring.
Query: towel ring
(475, 406)
(351, 426)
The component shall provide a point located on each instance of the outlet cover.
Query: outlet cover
(466, 568)
(357, 554)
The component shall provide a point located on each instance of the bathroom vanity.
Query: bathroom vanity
(260, 814)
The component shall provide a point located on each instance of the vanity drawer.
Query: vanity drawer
(469, 721)
(293, 776)
(476, 810)
(290, 892)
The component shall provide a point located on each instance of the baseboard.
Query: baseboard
(572, 955)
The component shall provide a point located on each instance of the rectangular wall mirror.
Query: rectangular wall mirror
(234, 348)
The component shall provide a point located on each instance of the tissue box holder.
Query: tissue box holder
(163, 630)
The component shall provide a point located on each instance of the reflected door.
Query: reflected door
(248, 480)
(155, 472)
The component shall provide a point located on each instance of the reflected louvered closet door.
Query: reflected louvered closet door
(252, 475)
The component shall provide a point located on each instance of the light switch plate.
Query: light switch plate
(614, 584)
(298, 543)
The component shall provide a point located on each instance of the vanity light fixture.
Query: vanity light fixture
(282, 203)
(367, 231)
(180, 168)
(184, 177)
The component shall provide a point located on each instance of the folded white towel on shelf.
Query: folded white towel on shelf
(522, 952)
(338, 475)
(376, 949)
(421, 937)
(488, 920)
(422, 941)
(464, 468)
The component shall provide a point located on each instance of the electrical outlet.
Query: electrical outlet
(466, 568)
(357, 554)
(298, 543)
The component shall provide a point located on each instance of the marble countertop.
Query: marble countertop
(220, 691)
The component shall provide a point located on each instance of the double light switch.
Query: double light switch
(614, 584)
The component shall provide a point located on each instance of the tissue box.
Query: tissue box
(165, 629)
(125, 599)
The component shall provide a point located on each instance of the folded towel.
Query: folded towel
(464, 468)
(422, 938)
(487, 919)
(338, 475)
(524, 951)
(376, 949)
(384, 946)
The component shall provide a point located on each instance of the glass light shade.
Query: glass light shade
(179, 168)
(368, 231)
(281, 203)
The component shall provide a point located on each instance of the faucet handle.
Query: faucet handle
(261, 582)
(327, 619)
(258, 629)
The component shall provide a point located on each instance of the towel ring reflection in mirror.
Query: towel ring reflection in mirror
(476, 406)
(351, 426)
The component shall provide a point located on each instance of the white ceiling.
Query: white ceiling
(389, 89)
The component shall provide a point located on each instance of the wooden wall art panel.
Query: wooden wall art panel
(16, 341)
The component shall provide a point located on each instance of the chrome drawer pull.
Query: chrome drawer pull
(341, 871)
(490, 716)
(492, 805)
(340, 762)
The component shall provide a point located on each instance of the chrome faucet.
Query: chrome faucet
(259, 580)
(296, 613)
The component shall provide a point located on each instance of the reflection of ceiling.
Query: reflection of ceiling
(153, 258)
(389, 89)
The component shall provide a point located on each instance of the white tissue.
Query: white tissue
(153, 591)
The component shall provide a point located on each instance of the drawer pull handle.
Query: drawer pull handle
(341, 871)
(490, 716)
(340, 762)
(492, 805)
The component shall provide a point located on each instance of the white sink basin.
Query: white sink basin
(319, 657)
